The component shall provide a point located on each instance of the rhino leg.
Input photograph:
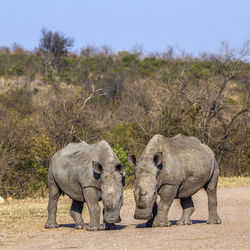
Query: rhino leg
(211, 189)
(213, 217)
(188, 209)
(154, 211)
(167, 194)
(76, 214)
(92, 196)
(54, 194)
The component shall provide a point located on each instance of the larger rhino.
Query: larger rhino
(86, 173)
(174, 168)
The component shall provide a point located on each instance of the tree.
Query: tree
(54, 46)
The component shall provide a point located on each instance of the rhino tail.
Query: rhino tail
(52, 184)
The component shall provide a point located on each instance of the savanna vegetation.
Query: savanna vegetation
(52, 96)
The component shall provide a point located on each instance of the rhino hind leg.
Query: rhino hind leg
(188, 209)
(213, 217)
(54, 194)
(211, 189)
(76, 214)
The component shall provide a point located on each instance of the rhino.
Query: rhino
(174, 168)
(86, 173)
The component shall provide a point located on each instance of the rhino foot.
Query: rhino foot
(162, 224)
(51, 225)
(183, 222)
(214, 221)
(95, 228)
(79, 226)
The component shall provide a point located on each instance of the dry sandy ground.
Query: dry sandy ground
(233, 233)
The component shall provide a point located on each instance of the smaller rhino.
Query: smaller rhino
(86, 173)
(175, 168)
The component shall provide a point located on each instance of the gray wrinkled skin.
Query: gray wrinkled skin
(174, 168)
(86, 173)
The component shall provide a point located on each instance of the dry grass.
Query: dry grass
(25, 215)
(31, 209)
(233, 181)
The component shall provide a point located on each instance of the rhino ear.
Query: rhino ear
(97, 167)
(132, 159)
(157, 158)
(120, 168)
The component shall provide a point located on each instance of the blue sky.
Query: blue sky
(192, 25)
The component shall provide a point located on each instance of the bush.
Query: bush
(25, 152)
(19, 99)
(129, 135)
(122, 155)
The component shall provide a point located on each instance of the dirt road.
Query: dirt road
(233, 233)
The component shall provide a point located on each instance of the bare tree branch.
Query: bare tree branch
(95, 92)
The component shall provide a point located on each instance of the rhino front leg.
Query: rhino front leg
(76, 214)
(154, 211)
(188, 209)
(167, 194)
(91, 196)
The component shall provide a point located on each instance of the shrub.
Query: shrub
(18, 99)
(122, 155)
(25, 152)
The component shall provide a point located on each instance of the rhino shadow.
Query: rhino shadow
(144, 225)
(114, 227)
(107, 227)
(67, 225)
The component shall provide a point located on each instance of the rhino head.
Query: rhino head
(112, 178)
(145, 192)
